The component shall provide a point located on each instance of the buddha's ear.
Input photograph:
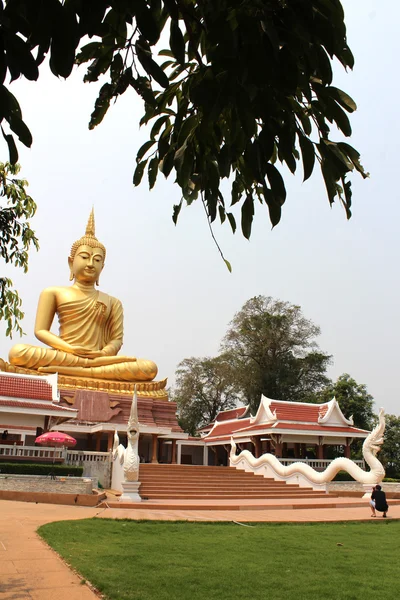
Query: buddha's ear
(71, 274)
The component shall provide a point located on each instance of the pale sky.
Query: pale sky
(178, 296)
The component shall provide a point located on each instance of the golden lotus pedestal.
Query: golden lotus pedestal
(153, 389)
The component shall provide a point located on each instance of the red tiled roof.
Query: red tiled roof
(316, 427)
(47, 407)
(243, 427)
(228, 428)
(25, 387)
(233, 413)
(298, 411)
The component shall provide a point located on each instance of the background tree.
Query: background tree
(204, 386)
(16, 237)
(390, 452)
(273, 351)
(353, 398)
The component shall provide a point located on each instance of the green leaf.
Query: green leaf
(157, 126)
(153, 171)
(308, 155)
(177, 210)
(143, 149)
(18, 126)
(101, 105)
(342, 98)
(167, 163)
(228, 264)
(177, 43)
(142, 85)
(247, 215)
(276, 182)
(274, 207)
(147, 23)
(232, 221)
(12, 148)
(346, 201)
(19, 57)
(63, 45)
(329, 179)
(116, 67)
(354, 156)
(149, 65)
(222, 213)
(88, 52)
(138, 174)
(339, 116)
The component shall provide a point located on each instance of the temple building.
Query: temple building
(290, 430)
(28, 406)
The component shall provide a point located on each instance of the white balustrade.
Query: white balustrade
(80, 456)
(31, 452)
(315, 463)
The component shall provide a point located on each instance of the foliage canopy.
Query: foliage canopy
(16, 238)
(242, 87)
(274, 352)
(204, 387)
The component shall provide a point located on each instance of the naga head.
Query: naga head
(374, 440)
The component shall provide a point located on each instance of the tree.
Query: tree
(204, 387)
(353, 398)
(390, 452)
(243, 86)
(273, 351)
(16, 238)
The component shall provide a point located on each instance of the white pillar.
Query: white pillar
(178, 453)
(205, 455)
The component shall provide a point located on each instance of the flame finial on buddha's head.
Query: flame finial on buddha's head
(89, 239)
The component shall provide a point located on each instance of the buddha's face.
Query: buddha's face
(87, 264)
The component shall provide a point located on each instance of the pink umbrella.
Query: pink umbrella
(56, 438)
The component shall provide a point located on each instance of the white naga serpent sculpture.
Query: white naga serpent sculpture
(129, 456)
(372, 445)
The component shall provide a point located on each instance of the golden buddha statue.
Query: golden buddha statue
(91, 325)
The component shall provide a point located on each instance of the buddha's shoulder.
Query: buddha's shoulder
(55, 290)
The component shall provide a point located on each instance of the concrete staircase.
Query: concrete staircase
(188, 482)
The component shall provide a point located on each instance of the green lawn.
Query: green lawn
(142, 560)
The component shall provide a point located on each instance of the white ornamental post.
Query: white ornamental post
(130, 485)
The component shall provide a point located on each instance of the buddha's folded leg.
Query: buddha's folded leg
(140, 370)
(34, 357)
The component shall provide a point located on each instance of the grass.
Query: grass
(142, 560)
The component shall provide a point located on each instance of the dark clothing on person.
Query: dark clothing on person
(380, 500)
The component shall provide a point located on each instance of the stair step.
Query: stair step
(196, 482)
(229, 496)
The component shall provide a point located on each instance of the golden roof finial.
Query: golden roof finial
(89, 239)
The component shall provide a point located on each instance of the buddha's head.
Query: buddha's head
(87, 256)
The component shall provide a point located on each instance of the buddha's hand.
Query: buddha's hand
(85, 352)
